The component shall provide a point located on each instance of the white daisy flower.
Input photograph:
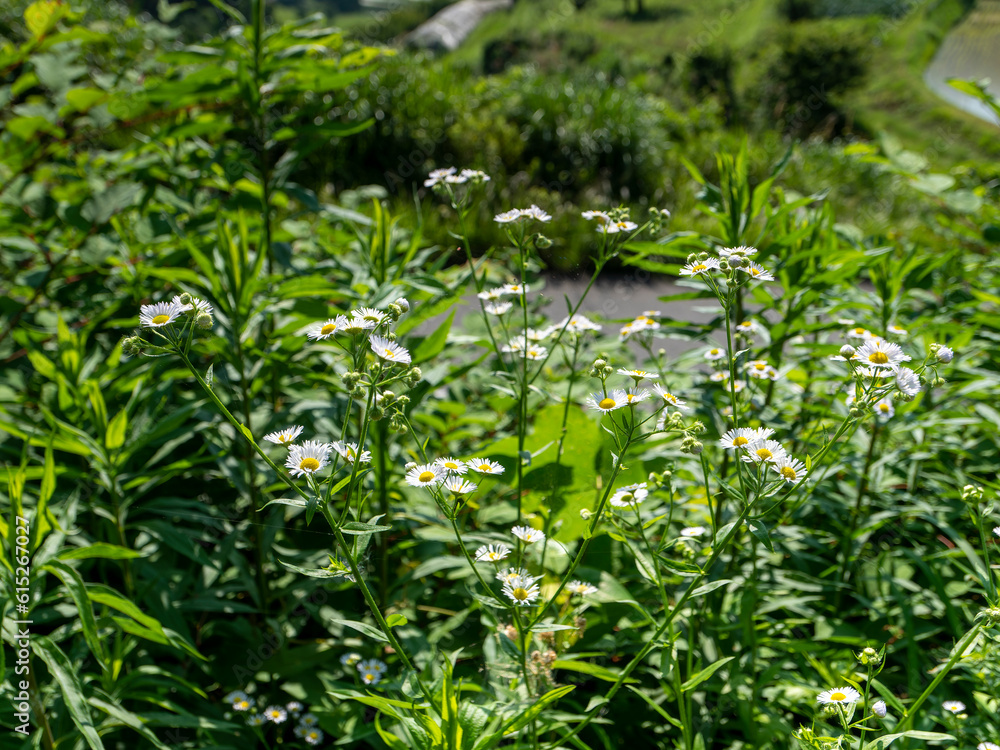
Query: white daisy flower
(790, 469)
(324, 330)
(750, 327)
(508, 216)
(757, 272)
(669, 398)
(763, 451)
(741, 437)
(636, 398)
(255, 720)
(285, 436)
(699, 267)
(390, 351)
(629, 495)
(492, 553)
(879, 709)
(353, 325)
(498, 308)
(625, 331)
(841, 695)
(438, 175)
(516, 289)
(884, 409)
(859, 333)
(845, 321)
(577, 323)
(475, 175)
(369, 315)
(349, 452)
(373, 665)
(693, 532)
(310, 719)
(312, 736)
(599, 215)
(879, 353)
(456, 179)
(275, 714)
(492, 295)
(371, 678)
(159, 314)
(522, 591)
(737, 386)
(294, 708)
(527, 534)
(757, 368)
(348, 660)
(744, 250)
(996, 531)
(307, 458)
(235, 696)
(452, 465)
(638, 374)
(508, 573)
(907, 382)
(513, 346)
(243, 703)
(987, 746)
(645, 322)
(956, 707)
(607, 402)
(425, 475)
(944, 354)
(896, 331)
(536, 335)
(713, 355)
(534, 212)
(484, 466)
(614, 227)
(718, 377)
(535, 352)
(579, 588)
(460, 486)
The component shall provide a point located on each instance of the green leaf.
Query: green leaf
(83, 99)
(101, 550)
(363, 628)
(129, 719)
(759, 529)
(357, 528)
(589, 668)
(434, 344)
(311, 572)
(888, 739)
(395, 621)
(114, 438)
(65, 674)
(78, 593)
(532, 713)
(699, 677)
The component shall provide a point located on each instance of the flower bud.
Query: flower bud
(403, 400)
(724, 265)
(585, 514)
(132, 346)
(415, 374)
(358, 394)
(394, 312)
(185, 299)
(972, 491)
(377, 412)
(879, 709)
(847, 351)
(733, 261)
(203, 321)
(351, 379)
(703, 256)
(403, 304)
(542, 242)
(991, 615)
(855, 412)
(698, 428)
(600, 363)
(944, 354)
(869, 656)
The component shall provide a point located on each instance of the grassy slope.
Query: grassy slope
(895, 98)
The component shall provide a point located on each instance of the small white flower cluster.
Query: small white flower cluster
(759, 369)
(755, 446)
(371, 671)
(163, 314)
(276, 714)
(607, 224)
(645, 323)
(515, 214)
(450, 473)
(451, 176)
(312, 456)
(360, 321)
(618, 398)
(702, 264)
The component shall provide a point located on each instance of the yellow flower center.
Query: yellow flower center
(606, 403)
(714, 352)
(628, 497)
(369, 676)
(838, 697)
(878, 358)
(309, 464)
(533, 352)
(641, 319)
(787, 472)
(426, 476)
(387, 353)
(630, 397)
(328, 329)
(738, 441)
(884, 408)
(485, 467)
(764, 453)
(520, 594)
(859, 331)
(760, 366)
(754, 272)
(373, 318)
(284, 439)
(160, 320)
(450, 465)
(699, 267)
(745, 324)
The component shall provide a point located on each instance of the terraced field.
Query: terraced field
(971, 50)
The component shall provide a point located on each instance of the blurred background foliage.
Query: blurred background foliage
(235, 152)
